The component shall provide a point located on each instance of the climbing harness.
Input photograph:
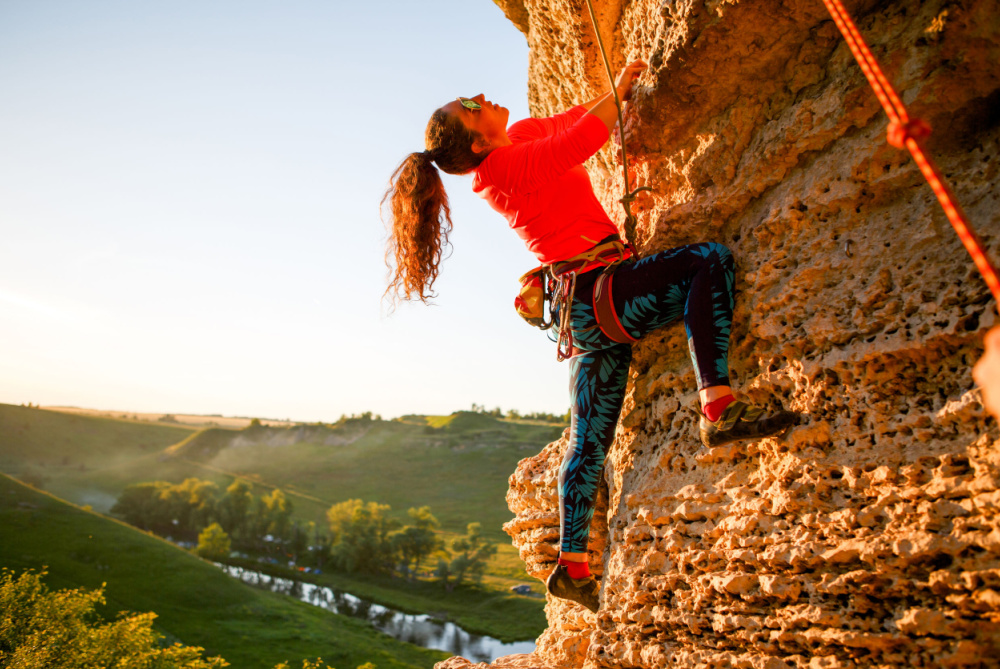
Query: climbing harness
(909, 133)
(556, 284)
(630, 195)
(604, 310)
(607, 254)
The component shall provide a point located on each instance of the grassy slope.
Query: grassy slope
(459, 468)
(195, 602)
(458, 465)
(85, 459)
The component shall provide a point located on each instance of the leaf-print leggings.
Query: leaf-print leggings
(694, 280)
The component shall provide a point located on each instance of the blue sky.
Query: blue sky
(188, 202)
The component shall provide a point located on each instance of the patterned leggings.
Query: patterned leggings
(694, 280)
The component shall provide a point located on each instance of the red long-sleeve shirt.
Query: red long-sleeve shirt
(539, 184)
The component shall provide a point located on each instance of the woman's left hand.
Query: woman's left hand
(627, 76)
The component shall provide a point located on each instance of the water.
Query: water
(421, 630)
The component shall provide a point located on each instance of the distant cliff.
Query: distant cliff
(869, 536)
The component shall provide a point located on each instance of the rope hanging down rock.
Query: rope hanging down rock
(909, 133)
(626, 200)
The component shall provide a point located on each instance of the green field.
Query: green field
(196, 604)
(458, 465)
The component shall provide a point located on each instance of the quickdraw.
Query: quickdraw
(566, 292)
(555, 284)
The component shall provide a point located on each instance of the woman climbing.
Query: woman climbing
(532, 173)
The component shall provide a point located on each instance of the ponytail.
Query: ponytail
(420, 217)
(420, 223)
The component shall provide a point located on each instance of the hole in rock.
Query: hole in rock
(941, 561)
(970, 322)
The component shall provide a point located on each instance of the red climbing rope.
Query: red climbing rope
(907, 132)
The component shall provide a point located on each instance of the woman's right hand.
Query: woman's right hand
(627, 77)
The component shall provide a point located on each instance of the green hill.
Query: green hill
(195, 602)
(458, 465)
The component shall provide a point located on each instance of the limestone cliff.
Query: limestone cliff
(870, 535)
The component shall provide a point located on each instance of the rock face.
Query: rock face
(870, 535)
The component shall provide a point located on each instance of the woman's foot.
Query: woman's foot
(583, 591)
(740, 420)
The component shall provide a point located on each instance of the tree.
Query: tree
(298, 539)
(213, 543)
(319, 551)
(360, 536)
(142, 505)
(191, 504)
(473, 551)
(416, 542)
(233, 510)
(56, 630)
(279, 511)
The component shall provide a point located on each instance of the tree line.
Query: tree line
(359, 537)
(514, 414)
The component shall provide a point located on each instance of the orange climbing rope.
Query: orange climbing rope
(908, 133)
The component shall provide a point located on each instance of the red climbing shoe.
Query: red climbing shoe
(741, 421)
(582, 591)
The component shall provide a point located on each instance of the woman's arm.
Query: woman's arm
(589, 104)
(527, 165)
(604, 107)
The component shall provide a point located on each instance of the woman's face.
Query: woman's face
(490, 121)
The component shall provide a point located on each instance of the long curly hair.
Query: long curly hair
(419, 214)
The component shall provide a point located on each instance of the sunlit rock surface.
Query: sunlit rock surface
(870, 535)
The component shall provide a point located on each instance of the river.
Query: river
(418, 629)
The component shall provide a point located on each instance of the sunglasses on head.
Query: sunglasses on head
(469, 103)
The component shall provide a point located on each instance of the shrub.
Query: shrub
(213, 543)
(41, 629)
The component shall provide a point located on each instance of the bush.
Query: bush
(40, 629)
(213, 543)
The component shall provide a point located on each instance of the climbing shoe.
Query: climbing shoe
(740, 421)
(582, 591)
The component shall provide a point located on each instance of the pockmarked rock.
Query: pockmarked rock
(869, 536)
